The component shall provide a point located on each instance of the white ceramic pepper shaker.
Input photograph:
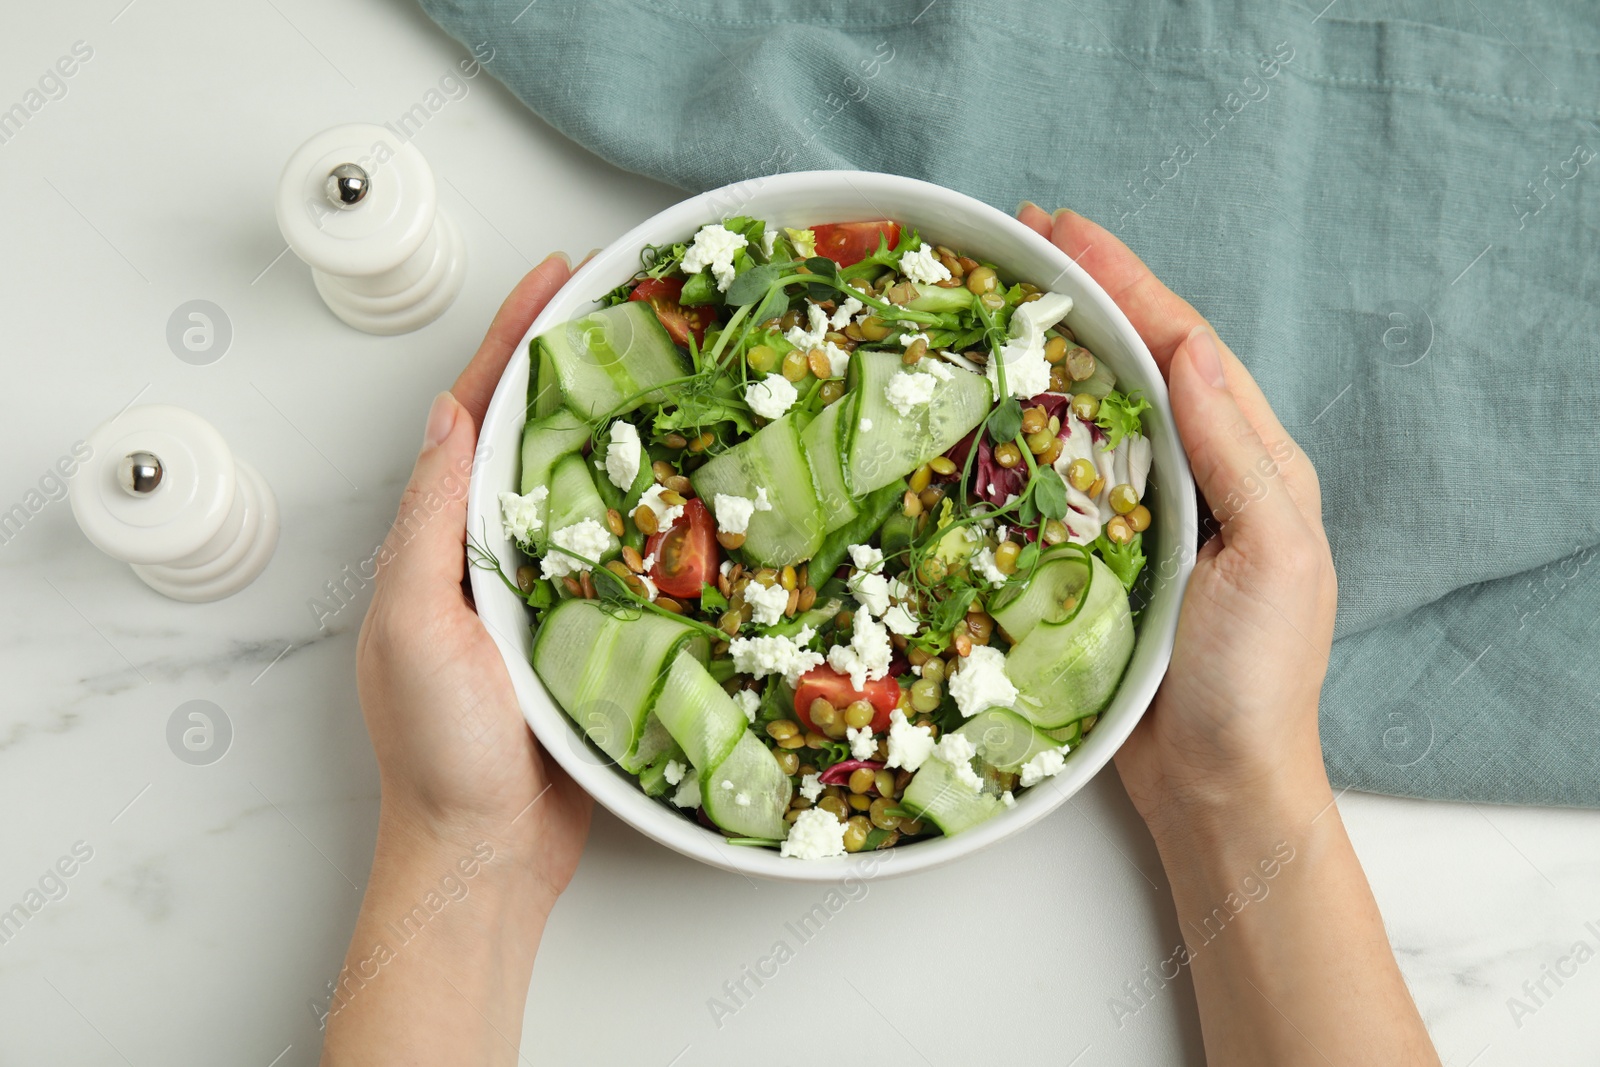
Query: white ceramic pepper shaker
(359, 204)
(162, 492)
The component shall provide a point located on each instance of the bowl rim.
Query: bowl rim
(618, 791)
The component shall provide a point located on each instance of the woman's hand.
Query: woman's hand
(1283, 938)
(1237, 713)
(478, 831)
(456, 759)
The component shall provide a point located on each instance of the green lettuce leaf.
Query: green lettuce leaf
(1125, 561)
(1119, 416)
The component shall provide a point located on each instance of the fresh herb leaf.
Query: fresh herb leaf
(1050, 494)
(753, 284)
(822, 266)
(1027, 558)
(775, 303)
(699, 289)
(1027, 511)
(1125, 561)
(620, 294)
(1119, 416)
(1005, 421)
(711, 598)
(702, 404)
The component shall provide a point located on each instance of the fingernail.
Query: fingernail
(1205, 357)
(592, 253)
(1063, 211)
(1025, 205)
(562, 256)
(441, 419)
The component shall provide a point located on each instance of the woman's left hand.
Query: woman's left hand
(456, 760)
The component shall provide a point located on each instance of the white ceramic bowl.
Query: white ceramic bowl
(942, 216)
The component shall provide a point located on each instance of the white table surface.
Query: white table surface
(219, 899)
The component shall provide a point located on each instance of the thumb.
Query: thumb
(1235, 470)
(423, 551)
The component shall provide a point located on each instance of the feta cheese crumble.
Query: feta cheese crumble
(900, 621)
(866, 558)
(666, 514)
(1046, 764)
(871, 592)
(764, 655)
(846, 311)
(922, 266)
(907, 339)
(623, 454)
(587, 539)
(862, 744)
(1027, 371)
(1007, 799)
(982, 564)
(812, 334)
(811, 787)
(673, 772)
(866, 657)
(771, 396)
(714, 246)
(520, 514)
(742, 799)
(733, 512)
(748, 700)
(815, 835)
(909, 746)
(766, 602)
(909, 390)
(866, 425)
(981, 683)
(958, 751)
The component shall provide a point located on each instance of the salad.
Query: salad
(830, 532)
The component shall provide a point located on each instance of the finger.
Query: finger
(1165, 320)
(422, 553)
(477, 383)
(1236, 471)
(1162, 317)
(1035, 218)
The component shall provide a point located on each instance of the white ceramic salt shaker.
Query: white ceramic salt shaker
(359, 204)
(162, 492)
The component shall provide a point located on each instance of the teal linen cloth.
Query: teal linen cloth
(1390, 208)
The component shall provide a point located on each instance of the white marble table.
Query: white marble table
(217, 899)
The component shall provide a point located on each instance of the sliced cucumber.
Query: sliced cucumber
(605, 671)
(544, 385)
(821, 441)
(1070, 670)
(573, 498)
(747, 793)
(1053, 594)
(702, 718)
(775, 461)
(1005, 740)
(613, 359)
(546, 440)
(935, 794)
(654, 740)
(896, 444)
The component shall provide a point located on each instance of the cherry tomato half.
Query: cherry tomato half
(686, 554)
(848, 243)
(662, 295)
(835, 688)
